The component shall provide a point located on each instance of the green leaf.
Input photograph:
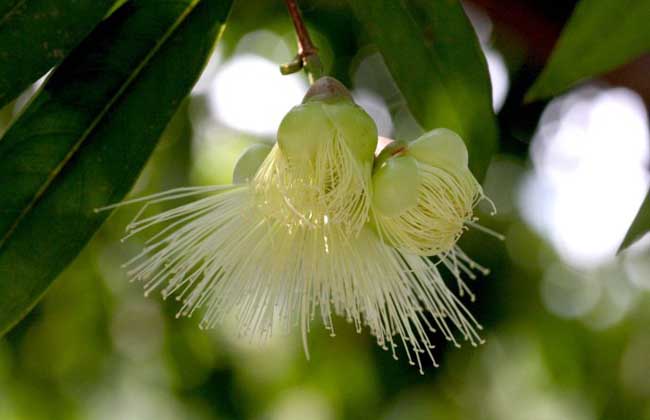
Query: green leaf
(640, 226)
(84, 139)
(600, 36)
(435, 58)
(35, 35)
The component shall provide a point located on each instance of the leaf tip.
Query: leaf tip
(629, 240)
(535, 93)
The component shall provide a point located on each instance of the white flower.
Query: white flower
(224, 252)
(295, 243)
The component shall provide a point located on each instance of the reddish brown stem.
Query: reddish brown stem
(305, 46)
(307, 52)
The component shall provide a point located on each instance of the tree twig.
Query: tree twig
(307, 56)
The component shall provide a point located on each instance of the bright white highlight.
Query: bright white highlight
(249, 94)
(590, 155)
(480, 21)
(496, 65)
(498, 76)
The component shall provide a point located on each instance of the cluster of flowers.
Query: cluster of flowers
(317, 224)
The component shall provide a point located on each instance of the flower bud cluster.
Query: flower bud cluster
(317, 225)
(418, 196)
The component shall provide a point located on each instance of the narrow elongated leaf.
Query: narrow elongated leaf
(35, 35)
(640, 226)
(435, 58)
(84, 139)
(600, 36)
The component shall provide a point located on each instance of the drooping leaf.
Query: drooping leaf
(83, 140)
(436, 60)
(600, 36)
(35, 35)
(640, 226)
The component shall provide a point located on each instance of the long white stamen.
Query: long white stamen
(446, 199)
(224, 253)
(334, 187)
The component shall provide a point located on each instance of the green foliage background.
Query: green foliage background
(95, 348)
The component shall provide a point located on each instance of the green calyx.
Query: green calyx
(327, 113)
(303, 129)
(396, 175)
(355, 127)
(395, 185)
(249, 162)
(439, 147)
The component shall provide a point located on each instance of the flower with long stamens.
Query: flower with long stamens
(323, 160)
(424, 193)
(222, 252)
(424, 198)
(291, 241)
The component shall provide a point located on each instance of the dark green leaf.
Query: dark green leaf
(84, 139)
(640, 226)
(435, 58)
(35, 35)
(600, 36)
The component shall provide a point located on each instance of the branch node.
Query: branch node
(307, 57)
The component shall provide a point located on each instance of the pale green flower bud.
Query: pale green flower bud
(355, 127)
(446, 193)
(249, 162)
(395, 186)
(439, 146)
(303, 129)
(322, 166)
(327, 112)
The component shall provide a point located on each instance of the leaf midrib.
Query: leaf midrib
(147, 58)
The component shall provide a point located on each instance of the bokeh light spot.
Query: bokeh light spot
(249, 94)
(590, 157)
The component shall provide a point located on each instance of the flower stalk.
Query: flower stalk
(307, 57)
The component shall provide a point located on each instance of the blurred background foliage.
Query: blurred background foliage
(565, 321)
